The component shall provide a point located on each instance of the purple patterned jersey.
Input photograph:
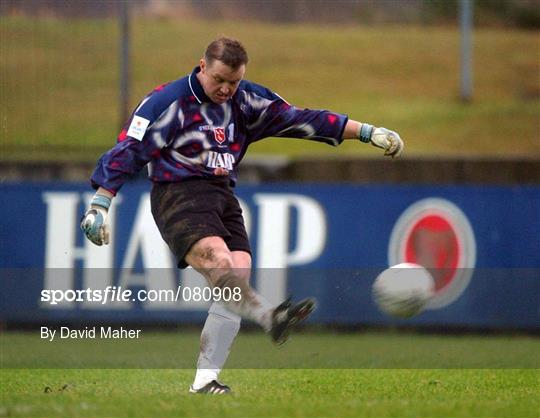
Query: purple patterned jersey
(180, 133)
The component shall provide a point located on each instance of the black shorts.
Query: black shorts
(193, 209)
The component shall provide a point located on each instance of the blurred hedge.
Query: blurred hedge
(508, 13)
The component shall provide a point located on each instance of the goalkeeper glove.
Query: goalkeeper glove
(383, 138)
(94, 221)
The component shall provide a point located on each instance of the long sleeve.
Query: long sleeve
(148, 130)
(270, 115)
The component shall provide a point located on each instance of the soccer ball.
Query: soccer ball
(403, 290)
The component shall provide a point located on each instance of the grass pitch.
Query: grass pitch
(272, 393)
(402, 387)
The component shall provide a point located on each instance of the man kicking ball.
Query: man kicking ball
(192, 133)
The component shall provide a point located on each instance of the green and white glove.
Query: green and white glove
(388, 140)
(94, 221)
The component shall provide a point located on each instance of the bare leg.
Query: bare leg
(211, 257)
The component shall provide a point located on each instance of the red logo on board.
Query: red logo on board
(432, 242)
(436, 234)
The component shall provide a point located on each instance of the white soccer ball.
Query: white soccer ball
(403, 290)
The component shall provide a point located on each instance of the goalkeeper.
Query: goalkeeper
(192, 134)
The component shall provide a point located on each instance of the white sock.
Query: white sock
(256, 309)
(217, 337)
(250, 304)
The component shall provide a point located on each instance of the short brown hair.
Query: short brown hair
(229, 51)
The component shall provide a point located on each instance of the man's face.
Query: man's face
(220, 81)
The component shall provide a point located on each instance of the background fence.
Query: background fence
(394, 64)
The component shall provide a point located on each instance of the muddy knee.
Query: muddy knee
(209, 253)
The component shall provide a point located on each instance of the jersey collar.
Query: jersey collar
(196, 87)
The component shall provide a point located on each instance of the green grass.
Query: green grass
(311, 349)
(382, 374)
(273, 393)
(58, 91)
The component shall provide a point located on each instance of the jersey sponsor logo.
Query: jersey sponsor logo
(219, 135)
(436, 234)
(137, 128)
(218, 160)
